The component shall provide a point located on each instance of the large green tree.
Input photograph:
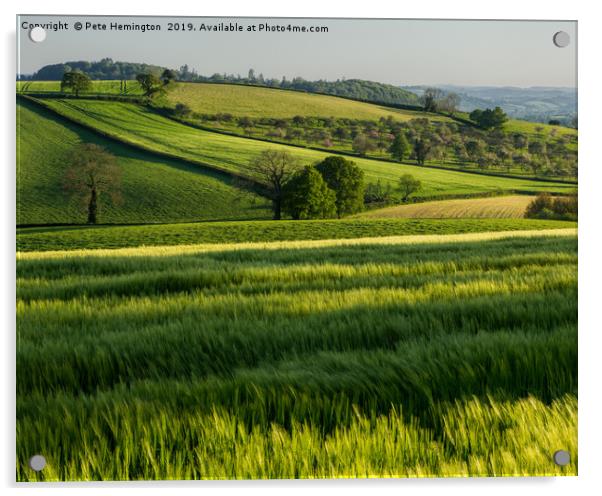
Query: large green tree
(75, 81)
(93, 175)
(347, 181)
(307, 196)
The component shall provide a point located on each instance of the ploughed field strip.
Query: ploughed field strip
(509, 207)
(371, 358)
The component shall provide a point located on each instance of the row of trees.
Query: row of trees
(487, 147)
(152, 85)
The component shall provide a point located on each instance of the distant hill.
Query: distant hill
(537, 104)
(107, 69)
(103, 69)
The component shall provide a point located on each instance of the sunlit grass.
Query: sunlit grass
(406, 356)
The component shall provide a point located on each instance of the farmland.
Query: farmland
(173, 191)
(186, 336)
(512, 206)
(81, 237)
(142, 127)
(385, 359)
(249, 101)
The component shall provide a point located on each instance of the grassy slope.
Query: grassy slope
(105, 87)
(139, 125)
(60, 238)
(240, 100)
(453, 358)
(154, 189)
(512, 206)
(250, 101)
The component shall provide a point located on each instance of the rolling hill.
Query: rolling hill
(155, 189)
(142, 127)
(251, 101)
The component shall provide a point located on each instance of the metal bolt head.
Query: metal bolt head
(37, 462)
(561, 39)
(562, 458)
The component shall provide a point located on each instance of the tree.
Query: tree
(489, 119)
(150, 83)
(362, 144)
(408, 185)
(346, 180)
(450, 103)
(274, 168)
(307, 196)
(431, 99)
(93, 173)
(422, 149)
(182, 110)
(400, 147)
(76, 82)
(168, 76)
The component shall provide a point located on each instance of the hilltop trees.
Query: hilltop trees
(75, 81)
(431, 99)
(307, 196)
(168, 76)
(92, 175)
(150, 83)
(489, 119)
(346, 180)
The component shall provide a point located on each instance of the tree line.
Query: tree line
(486, 147)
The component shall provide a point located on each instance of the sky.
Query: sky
(400, 52)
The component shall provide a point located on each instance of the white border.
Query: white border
(590, 327)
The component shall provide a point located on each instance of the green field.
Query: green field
(74, 238)
(508, 207)
(250, 101)
(402, 357)
(98, 87)
(155, 189)
(143, 127)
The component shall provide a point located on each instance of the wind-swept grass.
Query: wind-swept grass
(313, 359)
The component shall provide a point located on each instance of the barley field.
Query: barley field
(447, 355)
(504, 207)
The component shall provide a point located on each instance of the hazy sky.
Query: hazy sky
(401, 52)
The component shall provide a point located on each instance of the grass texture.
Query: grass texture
(357, 358)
